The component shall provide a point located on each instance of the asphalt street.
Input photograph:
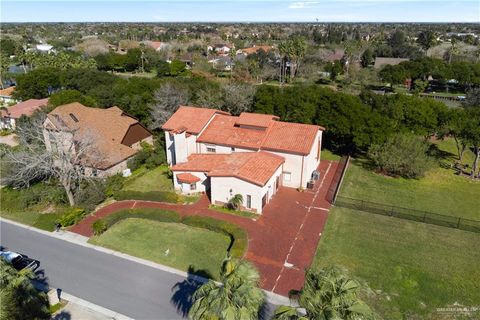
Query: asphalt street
(124, 286)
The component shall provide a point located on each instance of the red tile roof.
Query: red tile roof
(277, 136)
(255, 49)
(290, 137)
(253, 167)
(255, 119)
(222, 131)
(190, 119)
(7, 92)
(26, 108)
(187, 177)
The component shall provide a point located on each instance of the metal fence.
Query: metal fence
(337, 179)
(410, 214)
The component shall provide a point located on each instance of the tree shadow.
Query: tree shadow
(64, 315)
(182, 297)
(41, 280)
(267, 311)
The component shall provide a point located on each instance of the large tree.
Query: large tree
(70, 154)
(237, 297)
(328, 294)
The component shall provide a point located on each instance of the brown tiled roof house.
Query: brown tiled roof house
(115, 135)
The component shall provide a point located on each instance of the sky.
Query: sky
(240, 11)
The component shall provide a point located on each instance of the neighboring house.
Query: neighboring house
(220, 48)
(223, 63)
(333, 55)
(156, 45)
(214, 152)
(44, 48)
(254, 49)
(380, 62)
(26, 108)
(115, 136)
(6, 96)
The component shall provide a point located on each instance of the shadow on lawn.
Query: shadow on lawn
(182, 297)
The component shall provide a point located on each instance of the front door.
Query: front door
(264, 200)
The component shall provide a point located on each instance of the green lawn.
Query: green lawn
(329, 155)
(150, 180)
(413, 268)
(189, 246)
(440, 191)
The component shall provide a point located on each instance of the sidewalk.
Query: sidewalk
(79, 309)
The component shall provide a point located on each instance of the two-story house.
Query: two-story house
(113, 136)
(253, 154)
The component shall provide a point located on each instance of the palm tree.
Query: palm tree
(237, 297)
(20, 299)
(328, 294)
(453, 50)
(235, 202)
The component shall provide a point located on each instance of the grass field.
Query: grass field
(188, 246)
(440, 191)
(413, 268)
(150, 180)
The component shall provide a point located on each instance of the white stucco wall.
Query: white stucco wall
(178, 147)
(169, 148)
(184, 188)
(312, 160)
(181, 148)
(220, 190)
(202, 148)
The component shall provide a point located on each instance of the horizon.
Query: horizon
(240, 11)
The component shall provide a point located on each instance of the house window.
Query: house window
(211, 149)
(233, 149)
(193, 186)
(287, 176)
(94, 172)
(249, 201)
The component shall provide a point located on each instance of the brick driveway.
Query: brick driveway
(282, 242)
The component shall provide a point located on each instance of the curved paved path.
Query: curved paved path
(282, 242)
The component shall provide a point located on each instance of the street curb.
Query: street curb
(80, 240)
(107, 312)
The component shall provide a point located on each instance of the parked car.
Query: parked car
(20, 261)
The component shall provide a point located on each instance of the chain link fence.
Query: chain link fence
(409, 214)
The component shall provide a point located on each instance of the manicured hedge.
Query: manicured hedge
(160, 196)
(237, 235)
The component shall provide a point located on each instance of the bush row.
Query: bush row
(238, 236)
(160, 196)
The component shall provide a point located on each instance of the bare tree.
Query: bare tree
(238, 97)
(69, 156)
(167, 100)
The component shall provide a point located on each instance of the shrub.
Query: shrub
(150, 156)
(113, 184)
(99, 227)
(90, 194)
(71, 217)
(160, 196)
(401, 155)
(237, 235)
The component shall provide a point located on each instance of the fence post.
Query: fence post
(393, 211)
(424, 216)
(458, 223)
